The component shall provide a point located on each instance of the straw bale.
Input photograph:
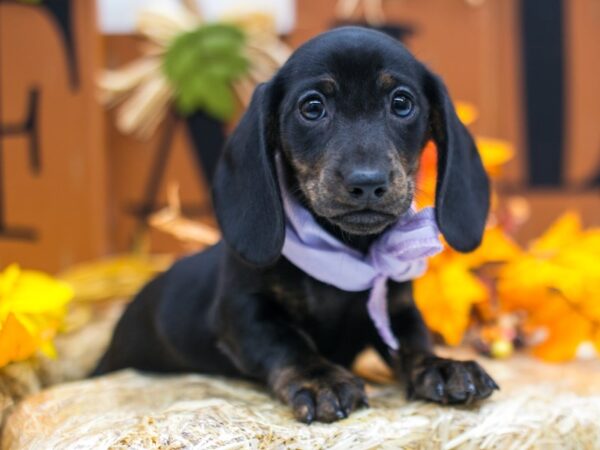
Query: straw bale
(539, 406)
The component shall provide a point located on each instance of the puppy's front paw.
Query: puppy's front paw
(448, 381)
(324, 392)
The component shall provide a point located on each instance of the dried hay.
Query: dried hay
(540, 406)
(127, 410)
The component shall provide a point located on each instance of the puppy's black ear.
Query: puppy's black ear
(246, 195)
(462, 192)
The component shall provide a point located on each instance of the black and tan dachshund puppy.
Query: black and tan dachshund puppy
(349, 115)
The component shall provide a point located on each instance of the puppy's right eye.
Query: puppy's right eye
(402, 104)
(312, 109)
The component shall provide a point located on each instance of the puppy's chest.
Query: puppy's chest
(311, 302)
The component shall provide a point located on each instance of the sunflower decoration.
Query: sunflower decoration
(33, 306)
(193, 64)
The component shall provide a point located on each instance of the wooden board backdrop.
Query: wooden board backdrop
(94, 181)
(52, 159)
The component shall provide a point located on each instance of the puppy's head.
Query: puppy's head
(350, 112)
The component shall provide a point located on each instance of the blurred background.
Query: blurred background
(114, 112)
(80, 178)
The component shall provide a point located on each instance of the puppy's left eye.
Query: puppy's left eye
(402, 104)
(312, 109)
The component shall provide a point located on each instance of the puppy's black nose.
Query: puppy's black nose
(366, 184)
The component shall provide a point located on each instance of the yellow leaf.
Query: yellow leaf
(563, 231)
(446, 294)
(448, 291)
(494, 153)
(496, 246)
(31, 292)
(32, 308)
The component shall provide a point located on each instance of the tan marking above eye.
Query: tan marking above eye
(386, 80)
(327, 85)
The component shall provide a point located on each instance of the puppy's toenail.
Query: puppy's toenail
(439, 390)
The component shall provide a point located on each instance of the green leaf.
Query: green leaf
(201, 65)
(230, 68)
(219, 101)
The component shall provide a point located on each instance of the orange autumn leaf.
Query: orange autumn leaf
(446, 294)
(565, 334)
(557, 284)
(562, 232)
(449, 289)
(495, 247)
(494, 154)
(596, 338)
(426, 177)
(16, 344)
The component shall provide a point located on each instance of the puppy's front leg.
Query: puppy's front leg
(426, 375)
(265, 345)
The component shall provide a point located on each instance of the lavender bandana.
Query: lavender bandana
(399, 254)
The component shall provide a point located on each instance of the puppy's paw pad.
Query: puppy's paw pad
(448, 381)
